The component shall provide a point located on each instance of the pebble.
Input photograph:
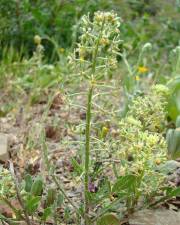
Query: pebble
(4, 155)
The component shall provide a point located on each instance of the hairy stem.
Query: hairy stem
(88, 131)
(87, 154)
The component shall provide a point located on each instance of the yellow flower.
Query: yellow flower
(14, 110)
(104, 41)
(142, 69)
(137, 78)
(105, 130)
(81, 59)
(61, 50)
(158, 161)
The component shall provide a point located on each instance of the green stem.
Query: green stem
(87, 153)
(88, 128)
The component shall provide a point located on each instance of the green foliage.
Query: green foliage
(32, 203)
(125, 185)
(47, 213)
(28, 76)
(174, 85)
(51, 196)
(22, 20)
(143, 21)
(174, 99)
(28, 183)
(37, 187)
(33, 194)
(173, 140)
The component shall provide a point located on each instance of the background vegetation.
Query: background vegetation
(143, 20)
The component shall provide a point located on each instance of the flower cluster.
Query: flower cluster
(142, 145)
(98, 44)
(142, 69)
(38, 53)
(7, 188)
(141, 152)
(150, 109)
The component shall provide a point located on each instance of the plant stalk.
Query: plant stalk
(87, 154)
(88, 131)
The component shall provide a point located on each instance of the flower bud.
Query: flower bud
(37, 39)
(105, 130)
(147, 46)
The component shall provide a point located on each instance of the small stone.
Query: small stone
(155, 217)
(169, 167)
(4, 155)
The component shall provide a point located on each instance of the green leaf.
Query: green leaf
(173, 192)
(178, 122)
(32, 203)
(51, 196)
(28, 182)
(125, 183)
(168, 167)
(176, 140)
(37, 187)
(174, 100)
(173, 141)
(108, 219)
(47, 212)
(169, 138)
(77, 167)
(60, 200)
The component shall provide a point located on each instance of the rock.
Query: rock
(155, 217)
(169, 167)
(4, 155)
(172, 171)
